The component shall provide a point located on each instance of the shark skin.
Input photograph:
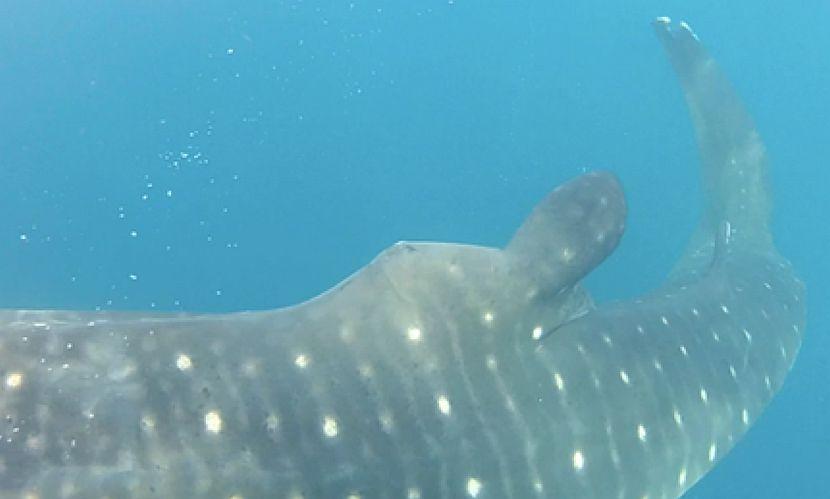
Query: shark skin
(385, 386)
(438, 370)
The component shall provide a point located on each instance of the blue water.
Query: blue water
(225, 155)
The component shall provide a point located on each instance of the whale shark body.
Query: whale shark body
(438, 370)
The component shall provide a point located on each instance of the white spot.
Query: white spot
(678, 419)
(413, 334)
(213, 422)
(14, 380)
(250, 368)
(272, 423)
(642, 433)
(567, 254)
(715, 335)
(684, 351)
(725, 309)
(578, 460)
(704, 396)
(747, 335)
(681, 478)
(732, 371)
(664, 20)
(148, 421)
(767, 285)
(183, 362)
(768, 382)
(444, 405)
(615, 455)
(640, 329)
(624, 377)
(301, 361)
(560, 383)
(713, 450)
(491, 362)
(658, 365)
(607, 340)
(330, 427)
(386, 422)
(745, 416)
(454, 269)
(413, 493)
(488, 317)
(664, 320)
(695, 312)
(538, 487)
(473, 487)
(346, 334)
(537, 332)
(365, 371)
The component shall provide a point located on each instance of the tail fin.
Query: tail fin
(734, 161)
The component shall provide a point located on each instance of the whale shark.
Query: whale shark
(438, 370)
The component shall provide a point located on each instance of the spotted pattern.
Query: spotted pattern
(647, 412)
(438, 371)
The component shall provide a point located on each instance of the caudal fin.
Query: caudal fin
(734, 163)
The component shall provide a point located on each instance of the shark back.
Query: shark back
(438, 370)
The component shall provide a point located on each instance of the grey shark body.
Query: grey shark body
(438, 370)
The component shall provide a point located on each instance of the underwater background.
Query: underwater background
(217, 156)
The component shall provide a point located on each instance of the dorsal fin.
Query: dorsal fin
(570, 232)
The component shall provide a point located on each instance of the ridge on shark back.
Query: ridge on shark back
(438, 370)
